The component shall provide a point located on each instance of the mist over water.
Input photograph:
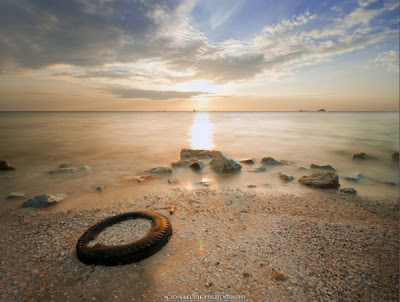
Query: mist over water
(116, 144)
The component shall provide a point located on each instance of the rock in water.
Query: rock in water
(326, 167)
(285, 178)
(5, 166)
(357, 177)
(69, 168)
(223, 163)
(259, 169)
(349, 191)
(321, 179)
(197, 154)
(363, 156)
(395, 156)
(250, 161)
(173, 180)
(160, 170)
(269, 161)
(16, 195)
(42, 201)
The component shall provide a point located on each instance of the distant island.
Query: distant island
(320, 110)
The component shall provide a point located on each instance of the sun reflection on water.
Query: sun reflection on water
(202, 132)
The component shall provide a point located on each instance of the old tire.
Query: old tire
(136, 251)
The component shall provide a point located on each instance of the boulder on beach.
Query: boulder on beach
(250, 161)
(321, 179)
(15, 195)
(326, 167)
(350, 191)
(45, 200)
(69, 168)
(395, 156)
(5, 166)
(160, 170)
(356, 177)
(285, 178)
(259, 169)
(269, 161)
(363, 156)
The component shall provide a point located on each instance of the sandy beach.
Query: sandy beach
(252, 244)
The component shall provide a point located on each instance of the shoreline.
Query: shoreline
(325, 245)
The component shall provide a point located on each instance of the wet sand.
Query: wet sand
(260, 243)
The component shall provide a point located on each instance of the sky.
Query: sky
(199, 55)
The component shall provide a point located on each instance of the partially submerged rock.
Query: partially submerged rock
(223, 163)
(269, 161)
(173, 180)
(100, 188)
(285, 178)
(302, 169)
(5, 166)
(321, 179)
(350, 191)
(259, 169)
(250, 161)
(160, 170)
(69, 168)
(356, 177)
(220, 162)
(395, 156)
(326, 167)
(387, 182)
(363, 156)
(15, 195)
(45, 200)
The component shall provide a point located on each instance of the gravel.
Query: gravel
(264, 244)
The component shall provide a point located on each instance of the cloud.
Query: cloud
(93, 34)
(387, 59)
(129, 93)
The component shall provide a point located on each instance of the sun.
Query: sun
(201, 86)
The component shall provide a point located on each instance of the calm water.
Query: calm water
(115, 144)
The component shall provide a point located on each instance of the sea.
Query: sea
(114, 145)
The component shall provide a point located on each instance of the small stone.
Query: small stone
(269, 161)
(277, 275)
(16, 195)
(100, 188)
(321, 179)
(350, 191)
(259, 169)
(395, 156)
(356, 177)
(45, 200)
(252, 186)
(5, 166)
(209, 283)
(363, 156)
(205, 182)
(250, 161)
(285, 178)
(246, 275)
(173, 180)
(160, 170)
(326, 167)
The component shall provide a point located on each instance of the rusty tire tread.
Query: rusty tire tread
(136, 251)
